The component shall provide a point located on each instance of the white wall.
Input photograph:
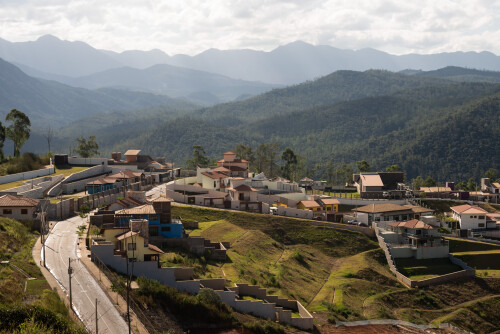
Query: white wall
(87, 161)
(26, 175)
(467, 221)
(291, 212)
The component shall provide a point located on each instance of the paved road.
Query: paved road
(61, 245)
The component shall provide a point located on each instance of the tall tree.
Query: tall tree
(429, 182)
(48, 135)
(273, 152)
(2, 140)
(491, 174)
(199, 158)
(290, 159)
(244, 152)
(19, 130)
(363, 166)
(418, 182)
(87, 147)
(393, 168)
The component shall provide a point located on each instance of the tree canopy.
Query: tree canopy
(19, 130)
(87, 147)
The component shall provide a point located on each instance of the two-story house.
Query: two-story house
(469, 217)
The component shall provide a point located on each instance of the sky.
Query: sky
(192, 26)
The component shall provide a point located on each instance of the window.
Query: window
(132, 246)
(386, 218)
(480, 217)
(7, 211)
(24, 211)
(215, 184)
(480, 224)
(153, 231)
(165, 228)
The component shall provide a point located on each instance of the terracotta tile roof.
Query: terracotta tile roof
(418, 209)
(496, 184)
(162, 199)
(236, 168)
(216, 175)
(310, 204)
(104, 180)
(154, 248)
(221, 169)
(414, 223)
(306, 179)
(466, 208)
(327, 201)
(371, 180)
(125, 174)
(132, 152)
(229, 152)
(126, 235)
(11, 200)
(235, 160)
(146, 209)
(380, 208)
(244, 188)
(435, 189)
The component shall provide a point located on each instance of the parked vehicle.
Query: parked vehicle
(353, 222)
(363, 224)
(386, 194)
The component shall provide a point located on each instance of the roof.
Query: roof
(306, 179)
(133, 152)
(126, 235)
(380, 208)
(435, 189)
(327, 201)
(104, 180)
(466, 208)
(220, 169)
(161, 199)
(154, 248)
(496, 184)
(414, 223)
(310, 204)
(11, 200)
(371, 180)
(229, 152)
(236, 168)
(244, 188)
(145, 209)
(215, 175)
(125, 174)
(418, 209)
(235, 160)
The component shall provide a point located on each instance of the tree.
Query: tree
(418, 182)
(393, 168)
(19, 130)
(429, 182)
(87, 147)
(244, 152)
(491, 174)
(2, 140)
(363, 166)
(290, 159)
(471, 184)
(199, 159)
(49, 134)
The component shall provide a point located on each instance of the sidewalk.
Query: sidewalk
(137, 326)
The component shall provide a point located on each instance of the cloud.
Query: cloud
(191, 26)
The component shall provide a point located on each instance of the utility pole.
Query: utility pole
(70, 271)
(128, 295)
(96, 319)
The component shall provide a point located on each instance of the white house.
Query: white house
(469, 217)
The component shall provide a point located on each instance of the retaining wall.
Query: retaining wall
(297, 213)
(27, 175)
(87, 161)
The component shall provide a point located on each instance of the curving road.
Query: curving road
(61, 246)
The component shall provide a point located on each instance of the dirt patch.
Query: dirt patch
(373, 276)
(463, 290)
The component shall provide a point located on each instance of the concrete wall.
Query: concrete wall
(297, 213)
(401, 252)
(35, 188)
(432, 252)
(85, 174)
(87, 161)
(27, 175)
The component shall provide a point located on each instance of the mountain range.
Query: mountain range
(51, 58)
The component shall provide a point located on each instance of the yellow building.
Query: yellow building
(309, 205)
(329, 204)
(136, 247)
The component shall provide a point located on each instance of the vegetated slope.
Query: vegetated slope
(335, 87)
(337, 274)
(49, 102)
(461, 74)
(30, 304)
(172, 81)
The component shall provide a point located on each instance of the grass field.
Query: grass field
(339, 275)
(424, 269)
(483, 257)
(66, 172)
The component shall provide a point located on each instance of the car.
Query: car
(363, 224)
(352, 222)
(386, 194)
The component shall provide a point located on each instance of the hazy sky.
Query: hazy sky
(192, 26)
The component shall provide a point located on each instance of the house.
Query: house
(414, 238)
(490, 187)
(101, 185)
(389, 212)
(306, 182)
(19, 208)
(237, 167)
(127, 177)
(312, 205)
(373, 185)
(125, 203)
(132, 155)
(158, 214)
(469, 217)
(329, 205)
(213, 180)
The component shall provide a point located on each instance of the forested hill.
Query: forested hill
(338, 86)
(460, 74)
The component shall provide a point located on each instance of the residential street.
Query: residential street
(61, 246)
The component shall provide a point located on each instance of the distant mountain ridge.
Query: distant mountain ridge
(288, 64)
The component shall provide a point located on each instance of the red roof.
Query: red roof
(310, 204)
(414, 223)
(244, 188)
(466, 208)
(215, 175)
(125, 174)
(327, 201)
(154, 248)
(371, 180)
(10, 200)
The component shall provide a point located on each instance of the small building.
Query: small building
(329, 205)
(306, 182)
(237, 167)
(132, 155)
(101, 185)
(389, 212)
(134, 246)
(19, 208)
(469, 217)
(373, 185)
